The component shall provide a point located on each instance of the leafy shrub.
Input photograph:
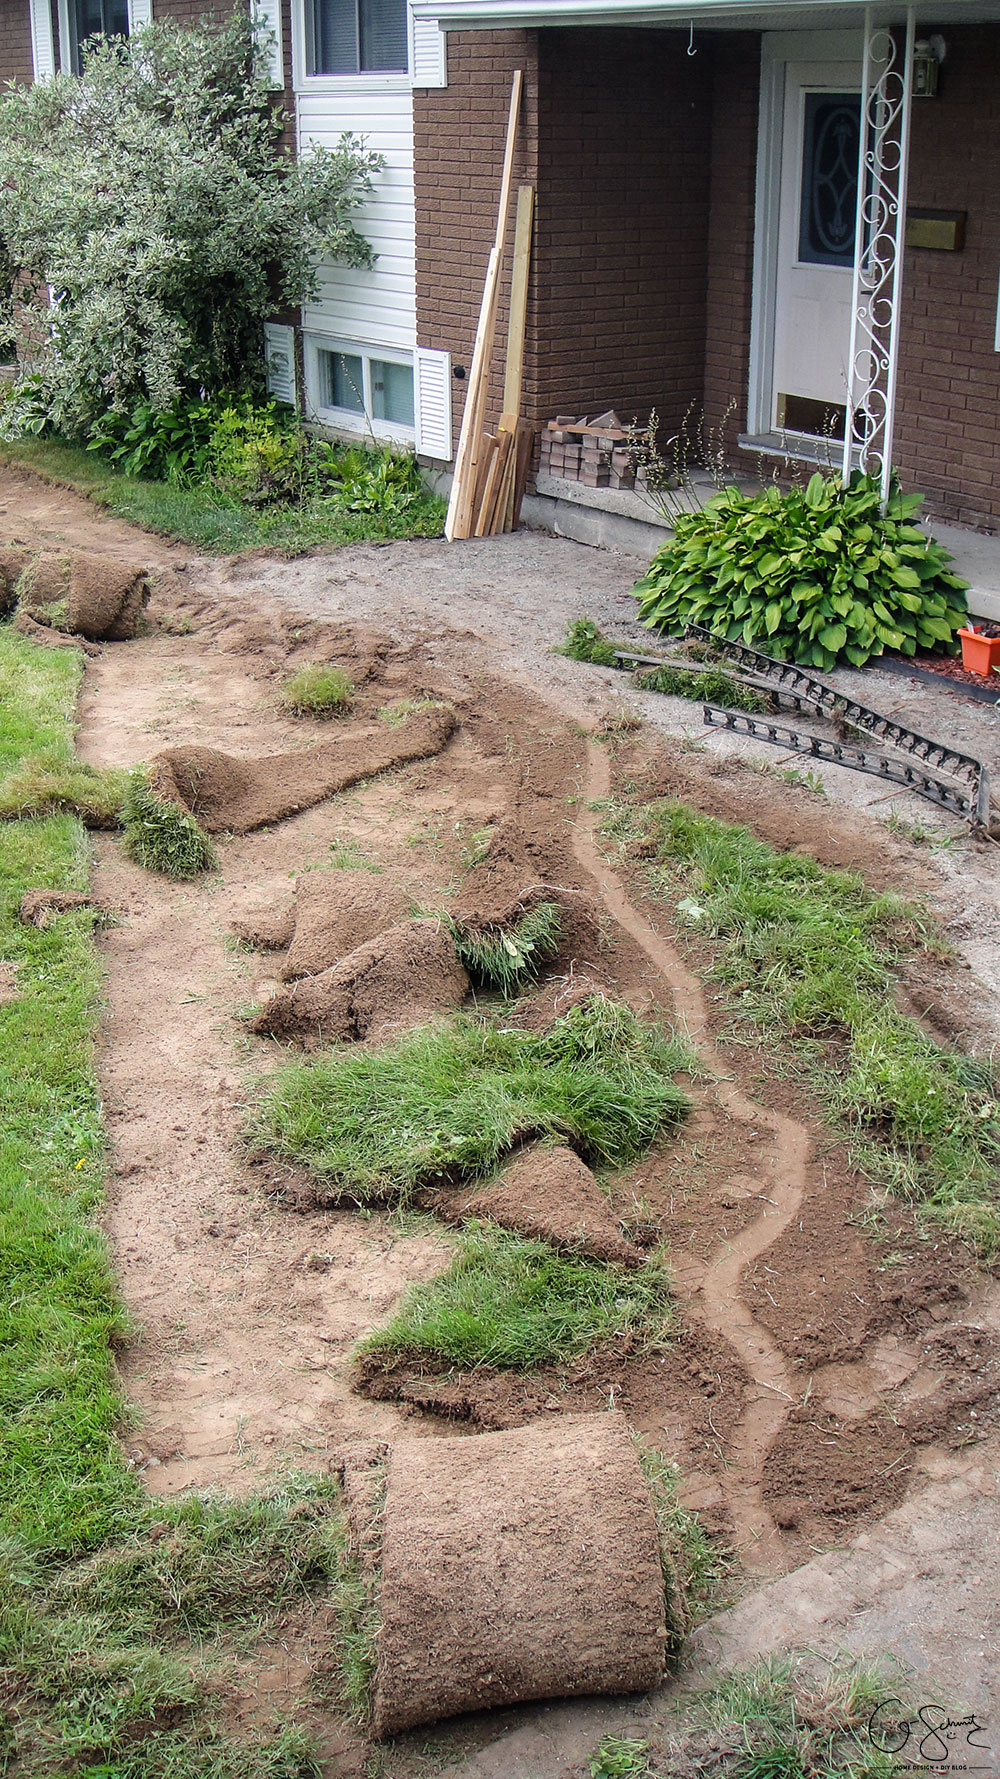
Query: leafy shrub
(371, 481)
(811, 575)
(161, 835)
(170, 444)
(257, 456)
(152, 195)
(318, 691)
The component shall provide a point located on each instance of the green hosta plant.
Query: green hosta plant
(815, 575)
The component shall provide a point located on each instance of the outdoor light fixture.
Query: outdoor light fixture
(928, 54)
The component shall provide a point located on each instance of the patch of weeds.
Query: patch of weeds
(162, 836)
(497, 958)
(620, 1757)
(450, 1100)
(811, 952)
(347, 855)
(516, 1305)
(396, 713)
(709, 686)
(917, 832)
(584, 641)
(695, 1570)
(806, 781)
(618, 726)
(47, 785)
(319, 690)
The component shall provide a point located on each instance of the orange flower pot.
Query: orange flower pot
(980, 654)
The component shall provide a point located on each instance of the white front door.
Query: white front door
(817, 201)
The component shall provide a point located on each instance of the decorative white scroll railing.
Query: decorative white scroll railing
(883, 165)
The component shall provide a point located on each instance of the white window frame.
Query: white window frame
(138, 15)
(387, 81)
(346, 419)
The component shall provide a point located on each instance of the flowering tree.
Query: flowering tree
(152, 198)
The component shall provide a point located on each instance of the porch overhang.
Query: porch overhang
(704, 15)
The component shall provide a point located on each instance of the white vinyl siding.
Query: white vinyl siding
(375, 307)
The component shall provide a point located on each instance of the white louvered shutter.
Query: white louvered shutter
(43, 49)
(279, 354)
(428, 55)
(268, 15)
(140, 12)
(432, 393)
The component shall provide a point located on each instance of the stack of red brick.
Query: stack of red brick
(593, 452)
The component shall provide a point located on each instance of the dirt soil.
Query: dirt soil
(797, 1335)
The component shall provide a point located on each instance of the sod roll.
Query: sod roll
(513, 1566)
(85, 593)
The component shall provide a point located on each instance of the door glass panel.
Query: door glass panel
(830, 137)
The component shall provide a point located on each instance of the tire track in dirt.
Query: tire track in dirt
(713, 1290)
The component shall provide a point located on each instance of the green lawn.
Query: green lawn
(204, 519)
(114, 1642)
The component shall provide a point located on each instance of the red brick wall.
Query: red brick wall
(948, 411)
(15, 43)
(620, 253)
(459, 136)
(736, 99)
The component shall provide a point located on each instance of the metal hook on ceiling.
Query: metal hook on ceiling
(692, 51)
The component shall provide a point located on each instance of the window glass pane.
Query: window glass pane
(342, 381)
(829, 178)
(91, 18)
(116, 18)
(392, 392)
(383, 36)
(335, 37)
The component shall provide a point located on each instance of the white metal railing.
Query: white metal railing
(883, 167)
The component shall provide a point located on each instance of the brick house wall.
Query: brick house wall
(735, 106)
(459, 132)
(948, 412)
(15, 44)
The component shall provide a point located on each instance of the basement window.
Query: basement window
(351, 387)
(357, 36)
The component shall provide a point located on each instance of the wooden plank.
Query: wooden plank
(518, 300)
(485, 520)
(524, 443)
(505, 492)
(484, 472)
(468, 458)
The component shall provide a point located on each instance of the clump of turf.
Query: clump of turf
(319, 690)
(502, 958)
(584, 641)
(48, 785)
(161, 835)
(515, 1305)
(709, 686)
(811, 952)
(450, 1100)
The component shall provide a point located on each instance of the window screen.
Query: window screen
(359, 37)
(392, 391)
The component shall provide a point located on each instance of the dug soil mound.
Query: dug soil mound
(231, 796)
(39, 906)
(96, 596)
(547, 1192)
(334, 913)
(14, 558)
(404, 977)
(520, 1565)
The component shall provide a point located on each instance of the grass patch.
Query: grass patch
(162, 836)
(499, 959)
(396, 713)
(102, 1593)
(452, 1099)
(319, 690)
(781, 1718)
(44, 785)
(515, 1305)
(584, 641)
(695, 1570)
(707, 685)
(347, 855)
(205, 518)
(811, 953)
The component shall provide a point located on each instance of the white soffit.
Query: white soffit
(704, 15)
